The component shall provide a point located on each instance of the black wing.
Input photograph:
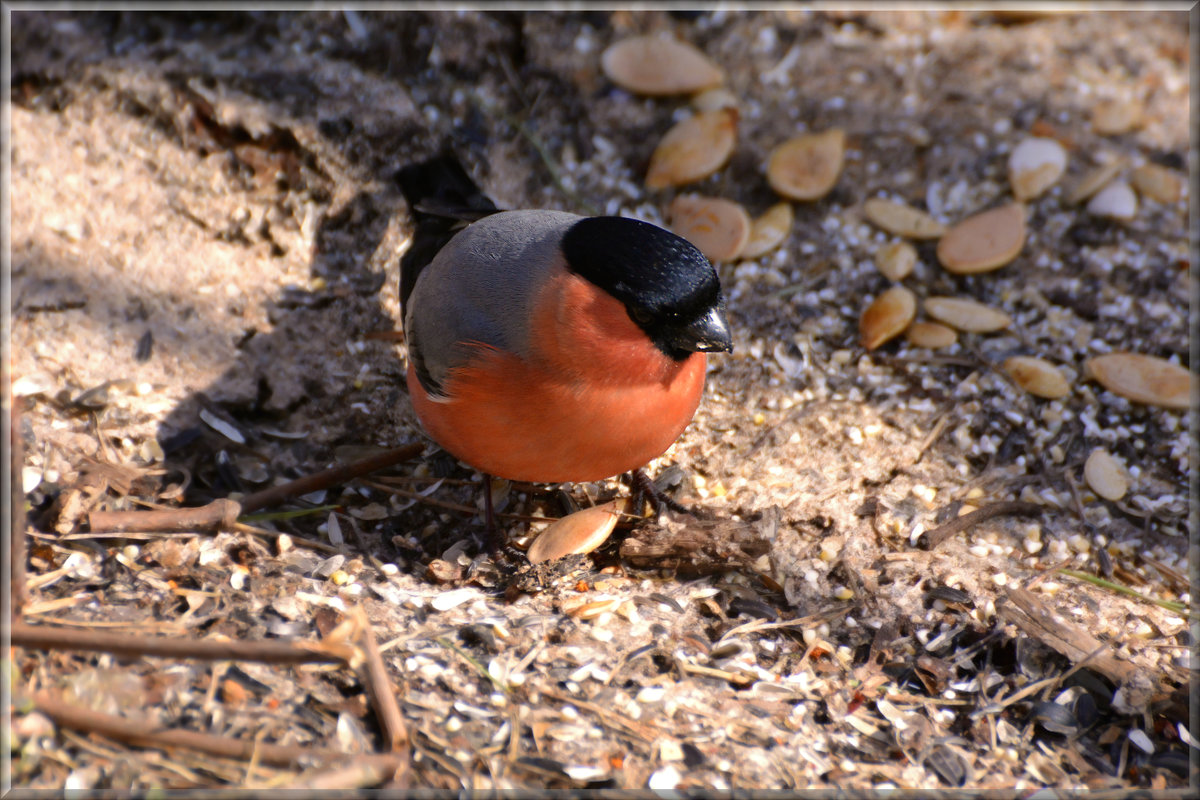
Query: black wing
(443, 200)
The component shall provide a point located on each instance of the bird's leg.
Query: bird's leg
(645, 489)
(503, 554)
(489, 513)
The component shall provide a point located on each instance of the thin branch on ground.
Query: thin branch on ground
(12, 601)
(330, 477)
(219, 515)
(449, 506)
(379, 688)
(268, 652)
(146, 733)
(222, 514)
(931, 539)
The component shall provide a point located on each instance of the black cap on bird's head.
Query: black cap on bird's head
(669, 288)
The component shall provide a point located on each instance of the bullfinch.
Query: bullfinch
(548, 347)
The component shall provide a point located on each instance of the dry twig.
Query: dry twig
(222, 514)
(145, 733)
(931, 539)
(219, 515)
(270, 652)
(330, 477)
(1038, 621)
(12, 602)
(379, 688)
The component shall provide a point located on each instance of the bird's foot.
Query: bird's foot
(647, 491)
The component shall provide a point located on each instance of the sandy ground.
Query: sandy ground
(204, 220)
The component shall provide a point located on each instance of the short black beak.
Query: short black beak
(706, 334)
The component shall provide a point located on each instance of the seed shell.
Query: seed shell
(985, 241)
(581, 532)
(1037, 376)
(807, 166)
(933, 335)
(1035, 165)
(899, 219)
(887, 316)
(693, 149)
(1104, 475)
(714, 99)
(768, 231)
(1116, 200)
(896, 260)
(1095, 180)
(719, 228)
(1114, 117)
(1158, 183)
(966, 315)
(1143, 379)
(657, 65)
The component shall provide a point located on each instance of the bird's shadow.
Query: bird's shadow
(255, 423)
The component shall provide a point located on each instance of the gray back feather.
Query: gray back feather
(480, 288)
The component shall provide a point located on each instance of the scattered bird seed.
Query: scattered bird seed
(896, 260)
(984, 242)
(1055, 717)
(949, 766)
(1105, 475)
(581, 532)
(1158, 183)
(221, 426)
(584, 607)
(713, 99)
(887, 316)
(899, 219)
(444, 601)
(1114, 117)
(807, 166)
(966, 315)
(933, 335)
(1095, 180)
(769, 230)
(659, 65)
(1035, 165)
(665, 779)
(719, 228)
(1143, 379)
(1116, 200)
(1037, 376)
(1139, 739)
(693, 149)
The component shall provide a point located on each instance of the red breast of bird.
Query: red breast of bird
(548, 347)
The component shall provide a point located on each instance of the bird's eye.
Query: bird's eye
(641, 316)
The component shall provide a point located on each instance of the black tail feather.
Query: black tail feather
(442, 199)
